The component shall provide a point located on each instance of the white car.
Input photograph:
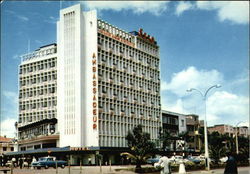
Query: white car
(223, 159)
(176, 159)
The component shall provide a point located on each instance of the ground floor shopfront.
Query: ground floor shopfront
(74, 156)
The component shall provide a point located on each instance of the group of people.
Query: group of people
(231, 165)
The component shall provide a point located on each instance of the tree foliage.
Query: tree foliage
(166, 140)
(140, 145)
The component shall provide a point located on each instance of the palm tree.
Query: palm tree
(140, 145)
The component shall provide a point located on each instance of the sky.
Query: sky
(202, 43)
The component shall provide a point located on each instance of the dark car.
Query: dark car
(47, 162)
(153, 160)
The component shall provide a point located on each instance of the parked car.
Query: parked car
(193, 159)
(176, 159)
(153, 160)
(47, 162)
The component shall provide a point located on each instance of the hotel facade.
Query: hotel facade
(92, 87)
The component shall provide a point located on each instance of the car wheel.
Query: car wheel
(62, 166)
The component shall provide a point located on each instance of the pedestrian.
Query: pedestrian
(164, 163)
(231, 164)
(21, 163)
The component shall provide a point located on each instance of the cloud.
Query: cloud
(16, 57)
(23, 18)
(51, 20)
(8, 127)
(191, 78)
(9, 103)
(228, 107)
(12, 96)
(224, 105)
(183, 6)
(137, 7)
(235, 11)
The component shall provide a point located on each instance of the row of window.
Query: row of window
(36, 116)
(134, 83)
(127, 119)
(117, 108)
(170, 120)
(38, 66)
(129, 68)
(38, 78)
(128, 94)
(137, 57)
(37, 91)
(117, 141)
(42, 129)
(111, 88)
(113, 72)
(37, 104)
(8, 149)
(148, 48)
(118, 48)
(118, 129)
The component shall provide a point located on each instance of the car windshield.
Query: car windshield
(42, 159)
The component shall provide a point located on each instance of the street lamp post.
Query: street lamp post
(204, 97)
(236, 138)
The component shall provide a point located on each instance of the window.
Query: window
(4, 148)
(182, 123)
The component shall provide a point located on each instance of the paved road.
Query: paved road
(106, 170)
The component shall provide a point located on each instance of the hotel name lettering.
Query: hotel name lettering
(117, 38)
(94, 83)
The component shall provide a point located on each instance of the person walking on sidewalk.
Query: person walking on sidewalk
(231, 166)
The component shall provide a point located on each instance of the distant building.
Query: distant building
(229, 130)
(222, 129)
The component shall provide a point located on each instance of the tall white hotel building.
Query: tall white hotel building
(90, 88)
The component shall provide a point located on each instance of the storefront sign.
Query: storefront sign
(78, 148)
(146, 36)
(117, 38)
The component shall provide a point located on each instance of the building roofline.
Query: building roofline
(172, 113)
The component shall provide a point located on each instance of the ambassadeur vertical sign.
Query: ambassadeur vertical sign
(95, 86)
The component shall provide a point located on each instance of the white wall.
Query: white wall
(77, 41)
(182, 128)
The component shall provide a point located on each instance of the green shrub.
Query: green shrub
(146, 170)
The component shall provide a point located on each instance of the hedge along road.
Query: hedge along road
(108, 170)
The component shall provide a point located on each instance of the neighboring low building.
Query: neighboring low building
(193, 126)
(242, 131)
(6, 145)
(174, 123)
